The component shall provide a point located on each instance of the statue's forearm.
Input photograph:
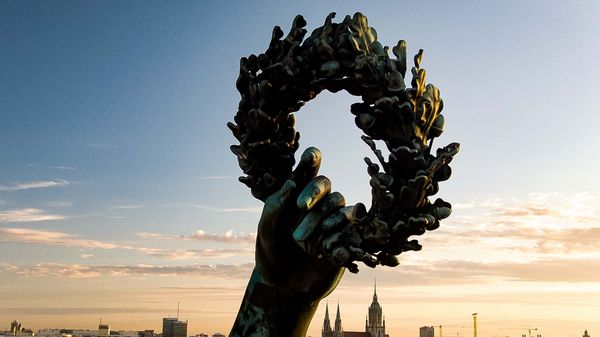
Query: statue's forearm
(268, 311)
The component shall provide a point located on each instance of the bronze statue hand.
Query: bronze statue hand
(291, 276)
(290, 232)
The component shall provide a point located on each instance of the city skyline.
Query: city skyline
(119, 195)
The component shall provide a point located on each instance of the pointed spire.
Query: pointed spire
(338, 321)
(375, 292)
(326, 323)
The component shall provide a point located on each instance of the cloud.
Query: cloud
(230, 210)
(216, 209)
(214, 177)
(53, 167)
(58, 270)
(200, 235)
(532, 240)
(186, 254)
(34, 185)
(540, 224)
(128, 206)
(59, 204)
(33, 236)
(86, 256)
(81, 310)
(554, 270)
(440, 273)
(28, 215)
(462, 272)
(66, 168)
(97, 145)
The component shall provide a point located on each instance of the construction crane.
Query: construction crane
(448, 326)
(528, 329)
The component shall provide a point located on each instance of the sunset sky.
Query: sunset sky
(119, 195)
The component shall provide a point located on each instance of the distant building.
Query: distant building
(374, 324)
(173, 327)
(426, 331)
(103, 329)
(201, 335)
(146, 333)
(585, 334)
(218, 335)
(15, 327)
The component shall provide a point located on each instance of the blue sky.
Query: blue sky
(112, 129)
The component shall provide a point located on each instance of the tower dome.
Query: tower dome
(375, 323)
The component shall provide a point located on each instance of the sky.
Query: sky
(119, 195)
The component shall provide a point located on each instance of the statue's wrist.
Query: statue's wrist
(268, 308)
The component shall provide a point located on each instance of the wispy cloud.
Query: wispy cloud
(60, 311)
(65, 168)
(229, 210)
(188, 254)
(27, 215)
(86, 256)
(200, 235)
(97, 145)
(127, 206)
(34, 185)
(549, 223)
(214, 177)
(59, 204)
(216, 209)
(53, 167)
(34, 236)
(548, 270)
(58, 270)
(24, 235)
(439, 273)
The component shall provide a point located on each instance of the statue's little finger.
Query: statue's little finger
(338, 219)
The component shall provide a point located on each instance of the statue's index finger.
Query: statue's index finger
(308, 167)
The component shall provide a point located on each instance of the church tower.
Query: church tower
(338, 331)
(327, 332)
(375, 322)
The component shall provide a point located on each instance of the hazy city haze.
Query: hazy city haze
(119, 196)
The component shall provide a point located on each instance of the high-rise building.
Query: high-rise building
(103, 329)
(173, 327)
(426, 331)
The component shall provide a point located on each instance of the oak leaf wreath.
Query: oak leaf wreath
(347, 56)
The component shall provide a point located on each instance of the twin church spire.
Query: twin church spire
(337, 330)
(374, 323)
